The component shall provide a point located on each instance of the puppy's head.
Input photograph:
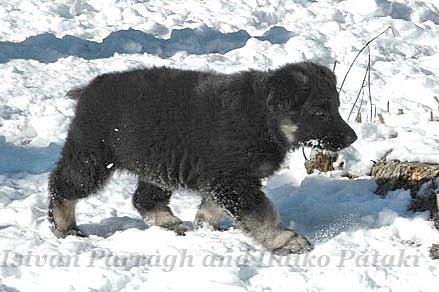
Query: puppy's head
(302, 105)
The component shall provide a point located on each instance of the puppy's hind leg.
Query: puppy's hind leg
(62, 216)
(209, 213)
(152, 204)
(79, 173)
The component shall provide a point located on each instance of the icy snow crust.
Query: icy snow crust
(340, 216)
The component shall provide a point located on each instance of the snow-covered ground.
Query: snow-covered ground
(355, 231)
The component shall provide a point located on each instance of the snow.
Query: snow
(352, 228)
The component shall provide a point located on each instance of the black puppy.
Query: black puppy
(215, 133)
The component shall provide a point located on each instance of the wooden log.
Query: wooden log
(422, 181)
(394, 174)
(322, 161)
(434, 251)
(420, 178)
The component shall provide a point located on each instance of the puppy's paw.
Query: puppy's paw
(167, 220)
(180, 229)
(202, 222)
(176, 226)
(74, 231)
(294, 244)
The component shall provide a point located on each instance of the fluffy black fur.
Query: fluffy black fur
(211, 132)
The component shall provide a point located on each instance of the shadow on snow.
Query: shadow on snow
(48, 48)
(14, 159)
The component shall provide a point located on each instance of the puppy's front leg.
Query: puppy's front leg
(257, 215)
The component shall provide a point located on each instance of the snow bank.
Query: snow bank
(346, 244)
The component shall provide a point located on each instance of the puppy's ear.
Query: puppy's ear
(287, 90)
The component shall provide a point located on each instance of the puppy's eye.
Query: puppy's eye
(319, 114)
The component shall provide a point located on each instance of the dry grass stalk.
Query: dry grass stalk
(358, 54)
(358, 118)
(359, 93)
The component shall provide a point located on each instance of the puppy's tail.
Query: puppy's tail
(75, 93)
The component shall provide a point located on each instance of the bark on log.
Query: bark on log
(392, 175)
(434, 252)
(420, 178)
(321, 160)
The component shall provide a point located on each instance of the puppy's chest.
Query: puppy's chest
(264, 168)
(263, 164)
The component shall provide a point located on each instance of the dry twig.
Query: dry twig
(358, 54)
(359, 93)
